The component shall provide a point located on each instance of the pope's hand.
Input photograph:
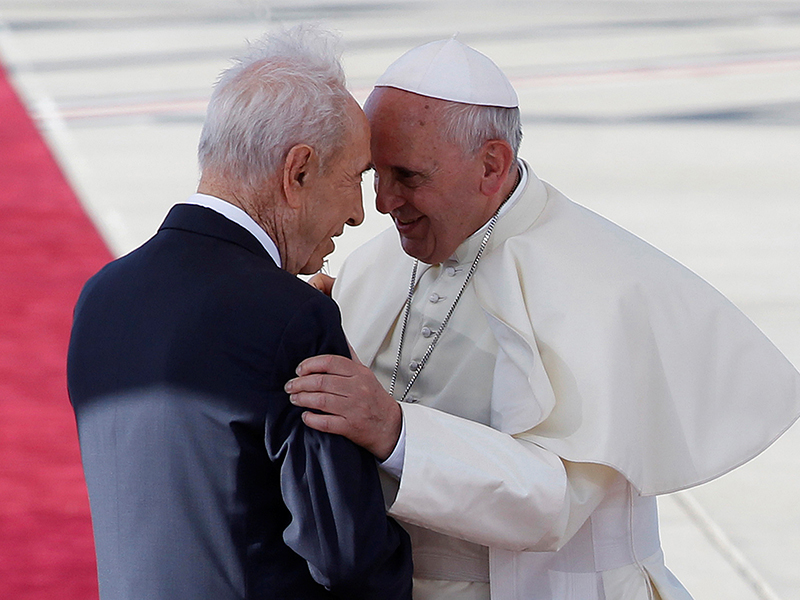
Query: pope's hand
(353, 402)
(323, 282)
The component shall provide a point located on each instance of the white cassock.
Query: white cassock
(583, 372)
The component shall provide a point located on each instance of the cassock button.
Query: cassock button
(435, 298)
(412, 399)
(413, 365)
(451, 271)
(427, 332)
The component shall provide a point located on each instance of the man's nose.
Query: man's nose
(357, 217)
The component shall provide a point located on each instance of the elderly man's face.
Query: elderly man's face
(425, 182)
(337, 199)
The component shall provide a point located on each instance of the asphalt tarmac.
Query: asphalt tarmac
(679, 120)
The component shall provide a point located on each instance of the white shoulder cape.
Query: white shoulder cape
(609, 351)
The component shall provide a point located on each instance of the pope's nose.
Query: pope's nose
(386, 199)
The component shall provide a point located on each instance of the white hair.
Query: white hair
(470, 126)
(287, 89)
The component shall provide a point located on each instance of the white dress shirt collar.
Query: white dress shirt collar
(240, 217)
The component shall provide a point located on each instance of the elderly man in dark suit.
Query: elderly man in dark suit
(203, 480)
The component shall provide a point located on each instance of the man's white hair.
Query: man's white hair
(287, 89)
(470, 126)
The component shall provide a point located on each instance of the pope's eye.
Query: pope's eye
(408, 178)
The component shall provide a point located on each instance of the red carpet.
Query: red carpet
(48, 248)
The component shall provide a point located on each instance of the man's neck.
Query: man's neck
(261, 210)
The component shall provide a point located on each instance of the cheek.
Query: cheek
(441, 233)
(345, 205)
(446, 226)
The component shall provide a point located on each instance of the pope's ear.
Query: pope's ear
(296, 168)
(497, 159)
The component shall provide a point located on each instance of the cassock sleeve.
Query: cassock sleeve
(473, 482)
(330, 485)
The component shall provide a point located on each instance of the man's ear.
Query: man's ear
(296, 168)
(496, 158)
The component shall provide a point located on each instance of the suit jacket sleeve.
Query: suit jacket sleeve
(330, 485)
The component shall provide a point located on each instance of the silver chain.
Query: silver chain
(437, 335)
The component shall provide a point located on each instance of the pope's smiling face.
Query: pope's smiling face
(428, 185)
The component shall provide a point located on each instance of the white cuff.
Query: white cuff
(394, 464)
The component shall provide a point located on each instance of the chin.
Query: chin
(416, 250)
(314, 263)
(317, 258)
(311, 267)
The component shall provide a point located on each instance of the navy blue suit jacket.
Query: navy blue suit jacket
(203, 481)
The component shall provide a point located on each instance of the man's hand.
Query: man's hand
(323, 282)
(354, 402)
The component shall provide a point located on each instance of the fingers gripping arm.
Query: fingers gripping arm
(350, 400)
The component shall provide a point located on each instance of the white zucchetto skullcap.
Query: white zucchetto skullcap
(450, 70)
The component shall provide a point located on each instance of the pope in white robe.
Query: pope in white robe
(576, 373)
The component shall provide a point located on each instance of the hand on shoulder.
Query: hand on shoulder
(352, 402)
(322, 282)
